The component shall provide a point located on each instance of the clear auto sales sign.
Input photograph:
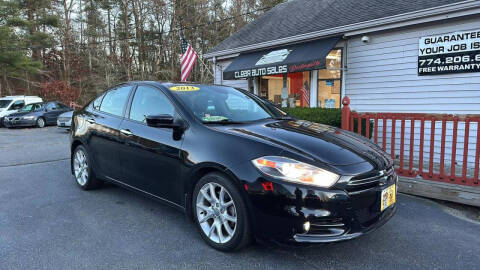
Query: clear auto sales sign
(457, 52)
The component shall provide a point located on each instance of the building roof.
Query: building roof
(297, 17)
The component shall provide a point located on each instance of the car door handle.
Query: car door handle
(91, 121)
(126, 132)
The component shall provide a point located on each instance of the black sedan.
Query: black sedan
(36, 114)
(234, 163)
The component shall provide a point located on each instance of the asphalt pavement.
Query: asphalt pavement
(47, 222)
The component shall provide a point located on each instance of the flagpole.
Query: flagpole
(206, 67)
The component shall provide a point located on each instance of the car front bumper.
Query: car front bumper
(19, 122)
(334, 215)
(64, 124)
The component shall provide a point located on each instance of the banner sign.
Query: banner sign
(264, 71)
(288, 59)
(271, 59)
(457, 52)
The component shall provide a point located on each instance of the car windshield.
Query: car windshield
(4, 103)
(31, 107)
(222, 104)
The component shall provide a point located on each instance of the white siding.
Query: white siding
(381, 76)
(220, 67)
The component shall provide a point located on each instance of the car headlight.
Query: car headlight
(28, 117)
(295, 171)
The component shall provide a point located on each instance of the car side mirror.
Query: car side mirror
(161, 120)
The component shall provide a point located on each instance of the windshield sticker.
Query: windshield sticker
(213, 118)
(184, 88)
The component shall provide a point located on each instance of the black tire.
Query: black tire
(40, 122)
(241, 236)
(91, 182)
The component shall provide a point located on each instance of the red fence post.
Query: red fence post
(412, 144)
(465, 150)
(392, 151)
(442, 147)
(477, 156)
(422, 141)
(402, 144)
(454, 149)
(346, 113)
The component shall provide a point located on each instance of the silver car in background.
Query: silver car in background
(64, 120)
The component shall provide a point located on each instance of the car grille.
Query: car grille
(63, 119)
(14, 118)
(370, 180)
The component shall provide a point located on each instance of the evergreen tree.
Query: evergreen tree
(15, 61)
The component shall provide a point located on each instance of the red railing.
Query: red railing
(432, 158)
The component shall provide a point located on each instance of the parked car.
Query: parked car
(234, 163)
(11, 104)
(64, 120)
(36, 114)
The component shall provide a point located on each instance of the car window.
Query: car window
(221, 103)
(114, 100)
(51, 106)
(96, 103)
(31, 107)
(36, 107)
(4, 103)
(62, 106)
(149, 101)
(17, 105)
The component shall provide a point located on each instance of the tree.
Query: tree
(38, 21)
(15, 63)
(86, 46)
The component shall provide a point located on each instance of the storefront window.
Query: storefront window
(330, 81)
(298, 86)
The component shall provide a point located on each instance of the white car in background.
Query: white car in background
(64, 120)
(11, 104)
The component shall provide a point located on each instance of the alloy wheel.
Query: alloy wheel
(216, 213)
(80, 167)
(40, 122)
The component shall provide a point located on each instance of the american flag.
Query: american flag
(305, 96)
(189, 56)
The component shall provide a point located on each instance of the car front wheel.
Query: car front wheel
(220, 213)
(40, 122)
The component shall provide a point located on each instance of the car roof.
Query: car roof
(170, 83)
(19, 97)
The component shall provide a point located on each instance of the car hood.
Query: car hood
(66, 114)
(323, 143)
(20, 114)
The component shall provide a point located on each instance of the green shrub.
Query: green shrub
(331, 117)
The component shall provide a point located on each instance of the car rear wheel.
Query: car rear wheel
(40, 122)
(82, 169)
(220, 213)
